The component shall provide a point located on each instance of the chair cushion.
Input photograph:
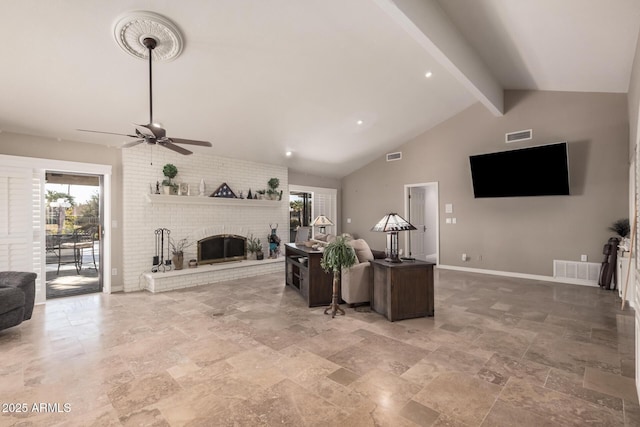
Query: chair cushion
(363, 251)
(10, 299)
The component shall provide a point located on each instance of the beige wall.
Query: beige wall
(521, 235)
(47, 148)
(304, 179)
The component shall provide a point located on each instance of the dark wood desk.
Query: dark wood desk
(308, 278)
(402, 290)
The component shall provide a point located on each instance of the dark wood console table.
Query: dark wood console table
(308, 277)
(402, 290)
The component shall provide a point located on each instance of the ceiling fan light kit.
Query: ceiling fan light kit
(152, 37)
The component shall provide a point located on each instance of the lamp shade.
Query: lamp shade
(392, 222)
(321, 221)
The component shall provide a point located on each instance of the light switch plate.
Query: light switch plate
(448, 220)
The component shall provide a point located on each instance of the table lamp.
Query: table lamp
(391, 224)
(321, 222)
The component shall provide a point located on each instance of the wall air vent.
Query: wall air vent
(581, 273)
(521, 135)
(394, 156)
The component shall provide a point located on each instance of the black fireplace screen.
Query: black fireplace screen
(221, 248)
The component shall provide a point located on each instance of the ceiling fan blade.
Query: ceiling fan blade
(108, 133)
(191, 142)
(175, 148)
(132, 143)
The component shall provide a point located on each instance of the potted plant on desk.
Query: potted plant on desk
(337, 255)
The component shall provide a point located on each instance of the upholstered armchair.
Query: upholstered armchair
(17, 295)
(356, 280)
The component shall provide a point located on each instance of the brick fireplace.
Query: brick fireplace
(222, 248)
(194, 217)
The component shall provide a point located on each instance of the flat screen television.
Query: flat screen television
(532, 171)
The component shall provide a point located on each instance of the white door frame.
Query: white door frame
(34, 163)
(433, 185)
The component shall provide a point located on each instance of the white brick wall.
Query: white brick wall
(141, 217)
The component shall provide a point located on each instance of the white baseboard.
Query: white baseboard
(519, 275)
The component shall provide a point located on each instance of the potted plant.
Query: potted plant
(273, 192)
(621, 228)
(255, 247)
(337, 255)
(170, 172)
(177, 249)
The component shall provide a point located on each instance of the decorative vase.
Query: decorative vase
(178, 260)
(166, 189)
(193, 263)
(259, 255)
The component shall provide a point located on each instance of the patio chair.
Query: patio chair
(82, 238)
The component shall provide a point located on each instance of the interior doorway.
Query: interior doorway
(421, 210)
(73, 233)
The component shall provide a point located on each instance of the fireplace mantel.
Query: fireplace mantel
(161, 199)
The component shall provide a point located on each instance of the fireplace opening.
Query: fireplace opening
(222, 248)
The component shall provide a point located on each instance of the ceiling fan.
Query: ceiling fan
(152, 133)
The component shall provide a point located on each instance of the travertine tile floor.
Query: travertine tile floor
(499, 352)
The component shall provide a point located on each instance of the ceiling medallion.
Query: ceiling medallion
(132, 28)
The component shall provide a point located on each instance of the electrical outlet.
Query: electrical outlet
(464, 257)
(114, 271)
(583, 258)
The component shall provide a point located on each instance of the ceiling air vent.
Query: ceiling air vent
(521, 135)
(394, 156)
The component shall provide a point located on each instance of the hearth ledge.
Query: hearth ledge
(212, 273)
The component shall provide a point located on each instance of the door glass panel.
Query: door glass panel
(73, 234)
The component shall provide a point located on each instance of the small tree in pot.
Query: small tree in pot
(337, 255)
(254, 246)
(170, 171)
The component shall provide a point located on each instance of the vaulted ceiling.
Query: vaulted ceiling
(337, 83)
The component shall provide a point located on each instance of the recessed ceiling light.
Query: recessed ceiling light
(359, 122)
(288, 154)
(428, 74)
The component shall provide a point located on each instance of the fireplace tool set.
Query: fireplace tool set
(160, 263)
